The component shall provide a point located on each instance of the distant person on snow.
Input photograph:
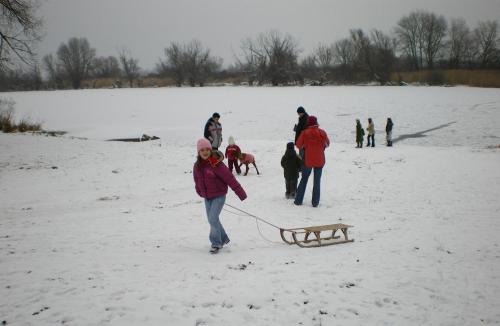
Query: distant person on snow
(371, 133)
(388, 131)
(314, 141)
(360, 133)
(213, 131)
(300, 126)
(232, 154)
(291, 164)
(211, 178)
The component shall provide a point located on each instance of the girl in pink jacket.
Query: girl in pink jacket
(212, 178)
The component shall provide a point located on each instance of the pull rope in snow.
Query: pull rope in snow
(257, 219)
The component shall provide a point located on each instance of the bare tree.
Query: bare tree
(344, 52)
(19, 31)
(325, 57)
(420, 36)
(459, 43)
(173, 64)
(254, 61)
(106, 67)
(130, 66)
(410, 34)
(384, 58)
(309, 68)
(434, 30)
(198, 63)
(344, 58)
(282, 52)
(486, 38)
(274, 55)
(192, 62)
(76, 58)
(54, 70)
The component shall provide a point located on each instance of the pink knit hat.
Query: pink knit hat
(202, 144)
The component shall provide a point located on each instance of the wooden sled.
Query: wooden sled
(300, 236)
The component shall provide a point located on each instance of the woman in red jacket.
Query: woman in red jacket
(314, 141)
(211, 178)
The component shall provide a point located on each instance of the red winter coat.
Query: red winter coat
(212, 177)
(232, 152)
(314, 141)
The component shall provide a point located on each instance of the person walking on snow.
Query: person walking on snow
(371, 133)
(360, 133)
(232, 154)
(213, 131)
(291, 164)
(212, 178)
(388, 131)
(314, 141)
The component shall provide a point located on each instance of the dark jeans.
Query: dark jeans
(372, 137)
(291, 187)
(306, 172)
(236, 166)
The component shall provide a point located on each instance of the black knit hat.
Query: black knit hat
(290, 145)
(301, 110)
(215, 115)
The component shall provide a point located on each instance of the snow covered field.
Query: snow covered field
(97, 233)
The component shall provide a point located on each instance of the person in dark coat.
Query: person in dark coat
(213, 131)
(388, 131)
(291, 164)
(302, 124)
(360, 133)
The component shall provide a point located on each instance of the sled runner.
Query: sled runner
(311, 236)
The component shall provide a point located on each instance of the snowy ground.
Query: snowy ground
(96, 233)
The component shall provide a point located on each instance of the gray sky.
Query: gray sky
(146, 27)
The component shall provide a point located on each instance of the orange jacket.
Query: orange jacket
(314, 141)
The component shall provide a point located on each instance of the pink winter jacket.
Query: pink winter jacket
(212, 177)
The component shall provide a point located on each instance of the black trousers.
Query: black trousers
(372, 137)
(291, 187)
(234, 163)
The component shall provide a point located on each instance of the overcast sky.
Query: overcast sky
(146, 27)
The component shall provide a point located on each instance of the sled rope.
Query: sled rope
(257, 219)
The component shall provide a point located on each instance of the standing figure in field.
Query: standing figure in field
(247, 158)
(300, 126)
(360, 133)
(388, 131)
(232, 154)
(314, 141)
(371, 133)
(213, 131)
(212, 178)
(291, 164)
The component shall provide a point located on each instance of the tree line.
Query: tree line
(421, 40)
